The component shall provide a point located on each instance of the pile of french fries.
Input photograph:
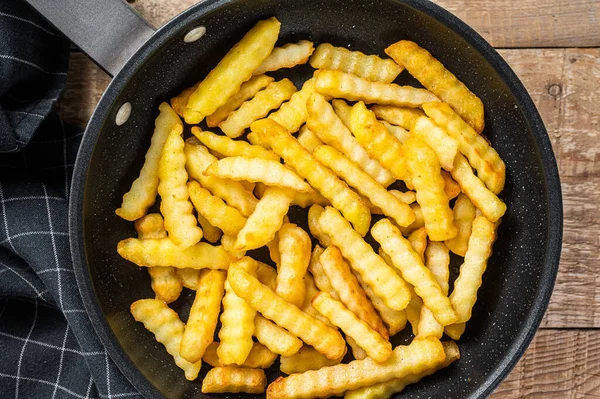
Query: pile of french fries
(236, 194)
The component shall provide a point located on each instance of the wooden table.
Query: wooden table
(554, 47)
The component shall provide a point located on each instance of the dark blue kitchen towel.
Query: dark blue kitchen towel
(48, 347)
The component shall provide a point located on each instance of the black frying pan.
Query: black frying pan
(521, 273)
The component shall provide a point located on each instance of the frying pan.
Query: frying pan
(150, 67)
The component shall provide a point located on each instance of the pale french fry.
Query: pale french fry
(314, 213)
(312, 331)
(308, 139)
(370, 340)
(211, 233)
(189, 277)
(420, 355)
(418, 241)
(324, 122)
(287, 56)
(418, 223)
(464, 295)
(167, 328)
(389, 388)
(234, 69)
(303, 200)
(234, 380)
(320, 277)
(295, 250)
(413, 270)
(370, 67)
(273, 247)
(266, 220)
(451, 186)
(233, 148)
(204, 314)
(365, 185)
(246, 92)
(318, 176)
(293, 114)
(232, 192)
(343, 110)
(435, 77)
(271, 173)
(437, 259)
(435, 137)
(490, 205)
(260, 357)
(150, 227)
(384, 281)
(228, 243)
(455, 331)
(254, 139)
(237, 320)
(267, 275)
(277, 339)
(464, 214)
(357, 352)
(349, 290)
(142, 194)
(307, 358)
(225, 217)
(311, 291)
(164, 252)
(353, 88)
(258, 107)
(413, 311)
(481, 155)
(398, 132)
(407, 197)
(179, 102)
(403, 117)
(426, 177)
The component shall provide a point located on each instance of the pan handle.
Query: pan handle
(109, 31)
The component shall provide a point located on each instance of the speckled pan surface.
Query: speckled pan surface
(521, 273)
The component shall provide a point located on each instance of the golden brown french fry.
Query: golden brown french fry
(232, 148)
(455, 331)
(403, 117)
(314, 213)
(311, 291)
(307, 358)
(303, 200)
(351, 87)
(400, 133)
(165, 253)
(237, 320)
(418, 241)
(234, 69)
(407, 197)
(246, 92)
(318, 176)
(142, 194)
(189, 277)
(324, 122)
(384, 281)
(420, 355)
(312, 331)
(266, 220)
(357, 352)
(211, 233)
(258, 107)
(266, 275)
(150, 226)
(287, 56)
(481, 155)
(228, 243)
(418, 223)
(370, 67)
(204, 315)
(179, 102)
(435, 137)
(167, 328)
(451, 186)
(308, 139)
(320, 277)
(435, 77)
(234, 380)
(293, 114)
(464, 214)
(413, 270)
(277, 339)
(437, 259)
(295, 250)
(260, 357)
(413, 311)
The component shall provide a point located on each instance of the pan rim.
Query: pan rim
(548, 165)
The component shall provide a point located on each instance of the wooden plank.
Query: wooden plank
(558, 364)
(504, 23)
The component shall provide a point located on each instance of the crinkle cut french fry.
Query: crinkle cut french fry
(150, 226)
(353, 88)
(370, 67)
(418, 241)
(189, 277)
(234, 69)
(349, 290)
(435, 77)
(232, 192)
(311, 291)
(357, 352)
(320, 277)
(418, 223)
(179, 102)
(266, 220)
(324, 122)
(303, 200)
(455, 331)
(269, 172)
(464, 214)
(437, 259)
(318, 176)
(237, 321)
(389, 388)
(295, 250)
(232, 148)
(142, 194)
(246, 92)
(444, 146)
(382, 278)
(408, 197)
(211, 233)
(451, 186)
(165, 253)
(413, 311)
(486, 201)
(263, 102)
(342, 110)
(267, 275)
(234, 380)
(277, 339)
(398, 132)
(307, 358)
(312, 331)
(365, 185)
(308, 139)
(403, 117)
(335, 380)
(225, 217)
(481, 155)
(426, 177)
(204, 314)
(287, 56)
(260, 357)
(228, 243)
(293, 114)
(413, 270)
(464, 295)
(167, 328)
